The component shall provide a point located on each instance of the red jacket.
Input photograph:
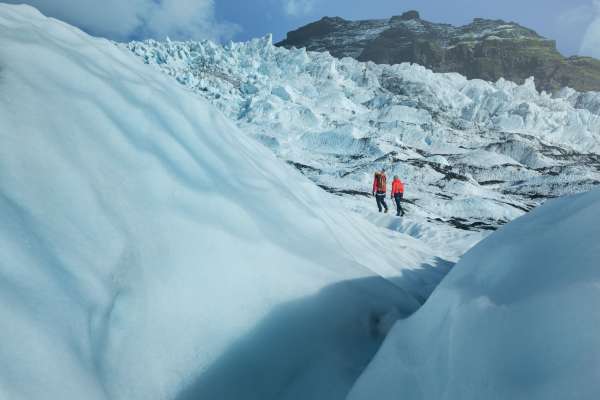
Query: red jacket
(397, 186)
(380, 183)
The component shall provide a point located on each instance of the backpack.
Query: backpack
(380, 181)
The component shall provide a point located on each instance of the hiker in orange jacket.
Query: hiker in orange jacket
(380, 189)
(398, 195)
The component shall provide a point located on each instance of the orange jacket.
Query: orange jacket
(397, 186)
(380, 183)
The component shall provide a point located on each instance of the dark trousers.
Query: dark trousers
(380, 197)
(398, 198)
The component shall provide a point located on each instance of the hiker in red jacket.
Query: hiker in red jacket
(380, 189)
(398, 195)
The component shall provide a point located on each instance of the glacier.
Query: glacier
(201, 227)
(473, 154)
(143, 237)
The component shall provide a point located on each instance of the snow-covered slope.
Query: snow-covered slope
(142, 235)
(473, 154)
(517, 318)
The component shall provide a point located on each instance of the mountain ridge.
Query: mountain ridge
(484, 49)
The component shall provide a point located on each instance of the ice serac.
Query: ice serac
(517, 318)
(143, 238)
(473, 154)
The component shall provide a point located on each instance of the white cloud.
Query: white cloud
(591, 40)
(576, 17)
(121, 19)
(181, 19)
(296, 8)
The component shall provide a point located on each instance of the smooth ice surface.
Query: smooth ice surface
(143, 239)
(517, 318)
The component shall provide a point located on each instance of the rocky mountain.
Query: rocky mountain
(484, 49)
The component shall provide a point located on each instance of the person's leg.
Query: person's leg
(382, 196)
(378, 200)
(399, 210)
(400, 197)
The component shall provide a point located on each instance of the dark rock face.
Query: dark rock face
(407, 16)
(484, 49)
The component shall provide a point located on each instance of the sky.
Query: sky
(575, 24)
